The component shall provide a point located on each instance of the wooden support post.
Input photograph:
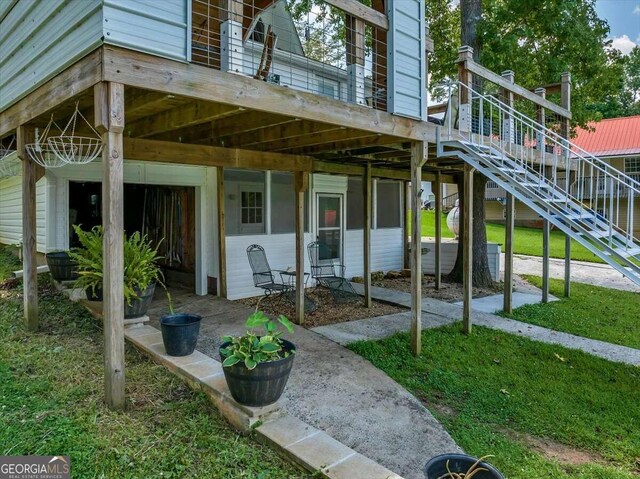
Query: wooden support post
(545, 261)
(508, 255)
(565, 130)
(541, 117)
(109, 120)
(366, 234)
(222, 245)
(355, 36)
(438, 239)
(301, 185)
(467, 245)
(29, 243)
(465, 56)
(405, 225)
(418, 158)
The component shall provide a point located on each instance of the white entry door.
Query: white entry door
(330, 224)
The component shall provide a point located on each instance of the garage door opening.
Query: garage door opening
(166, 214)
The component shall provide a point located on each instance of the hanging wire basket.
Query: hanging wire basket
(10, 164)
(76, 149)
(9, 161)
(41, 152)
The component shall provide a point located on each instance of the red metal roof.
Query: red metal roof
(612, 137)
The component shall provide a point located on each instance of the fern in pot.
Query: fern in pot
(141, 269)
(257, 365)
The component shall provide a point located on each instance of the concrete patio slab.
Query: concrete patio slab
(337, 392)
(494, 303)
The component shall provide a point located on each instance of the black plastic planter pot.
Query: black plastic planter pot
(94, 295)
(180, 333)
(61, 266)
(140, 306)
(436, 468)
(262, 385)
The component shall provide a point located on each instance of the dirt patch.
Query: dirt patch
(554, 450)
(327, 312)
(450, 292)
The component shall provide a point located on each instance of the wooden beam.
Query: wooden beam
(376, 172)
(109, 121)
(25, 136)
(467, 245)
(192, 114)
(74, 80)
(366, 233)
(355, 43)
(332, 136)
(249, 121)
(507, 305)
(361, 11)
(301, 185)
(355, 142)
(518, 90)
(222, 245)
(195, 81)
(204, 155)
(418, 158)
(438, 239)
(273, 137)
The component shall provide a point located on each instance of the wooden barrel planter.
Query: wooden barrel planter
(262, 385)
(61, 266)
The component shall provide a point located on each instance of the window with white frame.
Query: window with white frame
(632, 165)
(244, 202)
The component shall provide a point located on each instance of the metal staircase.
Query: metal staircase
(529, 160)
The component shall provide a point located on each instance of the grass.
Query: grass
(51, 403)
(526, 241)
(8, 263)
(512, 397)
(591, 311)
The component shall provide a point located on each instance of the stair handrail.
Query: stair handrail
(610, 173)
(564, 143)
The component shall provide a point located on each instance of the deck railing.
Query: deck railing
(318, 49)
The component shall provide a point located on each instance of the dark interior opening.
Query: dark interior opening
(166, 214)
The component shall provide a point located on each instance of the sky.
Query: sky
(623, 17)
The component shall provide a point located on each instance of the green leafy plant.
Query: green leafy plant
(253, 349)
(140, 263)
(88, 258)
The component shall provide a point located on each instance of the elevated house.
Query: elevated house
(225, 123)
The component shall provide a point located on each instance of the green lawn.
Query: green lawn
(526, 240)
(8, 263)
(591, 311)
(512, 397)
(51, 403)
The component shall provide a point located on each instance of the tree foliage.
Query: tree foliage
(538, 40)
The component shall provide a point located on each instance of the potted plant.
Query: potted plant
(257, 367)
(179, 331)
(61, 266)
(460, 466)
(88, 261)
(141, 270)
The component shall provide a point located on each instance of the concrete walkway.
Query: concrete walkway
(440, 313)
(581, 272)
(335, 390)
(495, 302)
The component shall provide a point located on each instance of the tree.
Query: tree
(470, 15)
(625, 101)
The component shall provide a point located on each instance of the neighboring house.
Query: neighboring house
(616, 141)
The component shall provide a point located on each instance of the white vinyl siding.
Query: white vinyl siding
(11, 212)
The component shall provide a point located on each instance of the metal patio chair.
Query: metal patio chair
(265, 279)
(329, 274)
(263, 276)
